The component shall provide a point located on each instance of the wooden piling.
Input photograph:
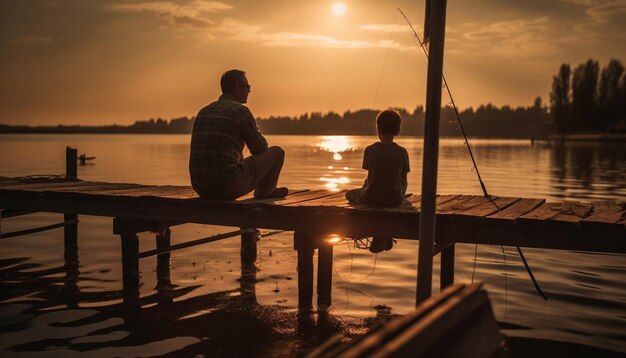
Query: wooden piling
(436, 25)
(70, 236)
(446, 276)
(163, 259)
(324, 274)
(130, 262)
(248, 246)
(304, 244)
(71, 167)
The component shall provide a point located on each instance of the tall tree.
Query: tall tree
(610, 96)
(585, 95)
(560, 100)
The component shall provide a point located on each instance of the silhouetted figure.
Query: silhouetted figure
(387, 165)
(217, 167)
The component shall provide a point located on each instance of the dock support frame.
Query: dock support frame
(305, 244)
(127, 229)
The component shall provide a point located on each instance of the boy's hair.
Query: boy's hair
(230, 79)
(388, 121)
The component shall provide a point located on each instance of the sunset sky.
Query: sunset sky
(117, 61)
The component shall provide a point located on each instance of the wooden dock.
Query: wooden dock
(314, 215)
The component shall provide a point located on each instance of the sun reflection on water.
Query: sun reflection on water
(336, 145)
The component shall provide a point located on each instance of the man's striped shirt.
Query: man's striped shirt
(219, 133)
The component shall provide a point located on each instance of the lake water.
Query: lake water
(213, 308)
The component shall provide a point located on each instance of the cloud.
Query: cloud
(603, 16)
(601, 13)
(31, 40)
(509, 30)
(384, 27)
(194, 15)
(529, 37)
(236, 30)
(191, 14)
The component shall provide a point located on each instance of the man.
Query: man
(217, 167)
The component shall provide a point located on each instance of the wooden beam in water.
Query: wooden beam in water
(37, 229)
(10, 213)
(205, 240)
(135, 226)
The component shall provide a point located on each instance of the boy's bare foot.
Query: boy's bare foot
(276, 194)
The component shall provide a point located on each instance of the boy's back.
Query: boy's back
(387, 164)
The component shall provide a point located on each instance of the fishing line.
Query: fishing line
(453, 103)
(380, 79)
(469, 148)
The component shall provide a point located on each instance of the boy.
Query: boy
(387, 165)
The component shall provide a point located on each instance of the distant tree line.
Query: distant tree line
(485, 121)
(181, 125)
(588, 99)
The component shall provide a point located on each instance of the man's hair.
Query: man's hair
(388, 121)
(230, 79)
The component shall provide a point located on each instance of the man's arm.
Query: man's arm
(251, 135)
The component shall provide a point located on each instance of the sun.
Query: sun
(338, 8)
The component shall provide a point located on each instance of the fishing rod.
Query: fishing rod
(469, 149)
(456, 111)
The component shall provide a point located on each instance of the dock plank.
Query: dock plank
(329, 211)
(608, 215)
(492, 206)
(94, 188)
(461, 203)
(293, 194)
(320, 201)
(335, 203)
(563, 226)
(411, 206)
(511, 213)
(181, 193)
(570, 214)
(297, 200)
(542, 213)
(17, 185)
(170, 192)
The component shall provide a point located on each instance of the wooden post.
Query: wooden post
(437, 23)
(247, 283)
(71, 168)
(163, 260)
(248, 247)
(446, 276)
(70, 235)
(324, 274)
(130, 262)
(304, 244)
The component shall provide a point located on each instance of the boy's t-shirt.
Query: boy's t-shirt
(387, 165)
